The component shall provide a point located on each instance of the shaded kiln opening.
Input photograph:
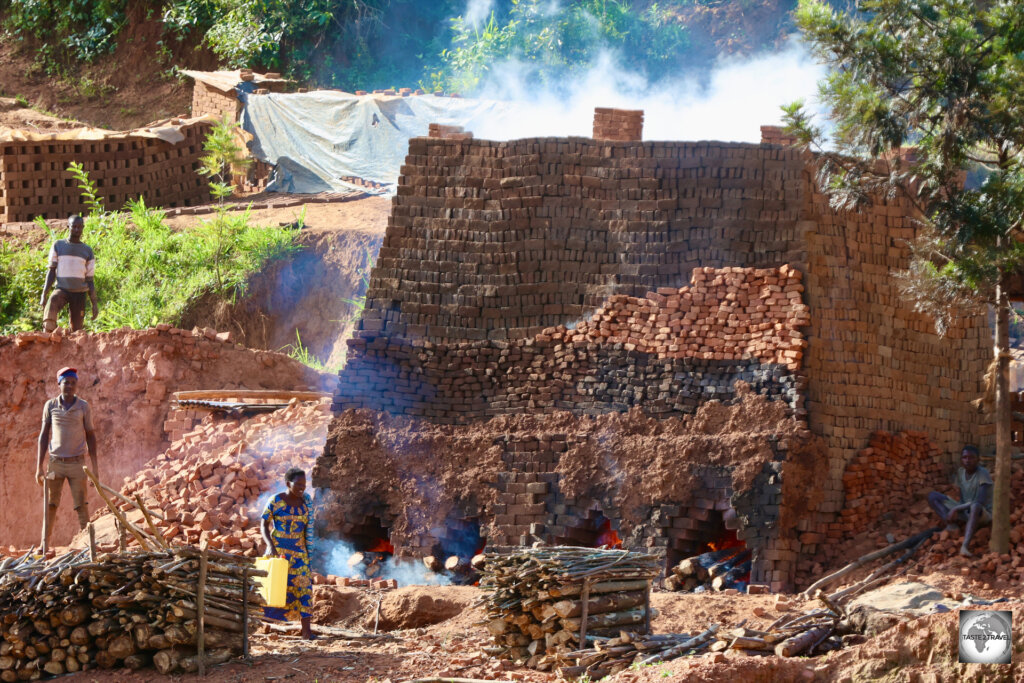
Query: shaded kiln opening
(595, 530)
(458, 542)
(371, 541)
(707, 554)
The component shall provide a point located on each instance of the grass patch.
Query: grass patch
(145, 272)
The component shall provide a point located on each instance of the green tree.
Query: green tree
(947, 78)
(223, 155)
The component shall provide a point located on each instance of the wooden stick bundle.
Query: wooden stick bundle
(71, 614)
(549, 601)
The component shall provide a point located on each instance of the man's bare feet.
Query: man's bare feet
(965, 552)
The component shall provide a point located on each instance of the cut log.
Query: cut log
(166, 661)
(611, 602)
(800, 642)
(727, 564)
(432, 563)
(595, 621)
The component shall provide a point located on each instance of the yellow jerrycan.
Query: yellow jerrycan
(273, 586)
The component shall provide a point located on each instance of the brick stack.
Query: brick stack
(618, 124)
(212, 483)
(666, 353)
(210, 101)
(493, 246)
(776, 135)
(34, 180)
(437, 130)
(499, 240)
(885, 476)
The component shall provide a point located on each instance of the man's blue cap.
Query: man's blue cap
(66, 372)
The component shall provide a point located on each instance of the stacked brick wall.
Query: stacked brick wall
(666, 353)
(494, 249)
(872, 363)
(499, 240)
(34, 180)
(209, 101)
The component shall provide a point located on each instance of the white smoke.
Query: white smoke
(477, 12)
(407, 572)
(730, 104)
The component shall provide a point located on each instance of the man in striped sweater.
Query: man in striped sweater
(72, 265)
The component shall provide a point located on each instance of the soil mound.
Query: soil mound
(128, 378)
(418, 606)
(336, 606)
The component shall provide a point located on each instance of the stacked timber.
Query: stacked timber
(133, 610)
(715, 570)
(549, 601)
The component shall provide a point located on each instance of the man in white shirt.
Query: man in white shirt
(72, 265)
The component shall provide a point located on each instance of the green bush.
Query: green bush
(69, 29)
(146, 273)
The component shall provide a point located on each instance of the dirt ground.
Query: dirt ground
(922, 649)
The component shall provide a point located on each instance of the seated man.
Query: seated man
(975, 504)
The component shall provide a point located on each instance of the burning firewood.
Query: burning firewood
(713, 569)
(366, 562)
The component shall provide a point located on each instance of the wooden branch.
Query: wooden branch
(201, 613)
(137, 533)
(860, 562)
(159, 537)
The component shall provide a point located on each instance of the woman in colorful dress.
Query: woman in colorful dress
(287, 528)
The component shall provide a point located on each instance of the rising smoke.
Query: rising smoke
(336, 554)
(729, 103)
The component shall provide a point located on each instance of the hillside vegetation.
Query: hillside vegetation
(440, 45)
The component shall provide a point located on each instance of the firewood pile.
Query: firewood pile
(72, 614)
(811, 632)
(715, 570)
(549, 601)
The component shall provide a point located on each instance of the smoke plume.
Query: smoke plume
(728, 103)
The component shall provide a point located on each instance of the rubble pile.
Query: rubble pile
(213, 483)
(71, 614)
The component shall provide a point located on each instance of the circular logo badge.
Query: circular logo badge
(985, 636)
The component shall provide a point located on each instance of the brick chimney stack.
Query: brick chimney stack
(623, 125)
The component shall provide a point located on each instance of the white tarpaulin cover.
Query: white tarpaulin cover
(318, 138)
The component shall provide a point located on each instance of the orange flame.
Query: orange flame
(727, 540)
(382, 545)
(608, 538)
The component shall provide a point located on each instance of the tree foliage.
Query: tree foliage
(946, 78)
(553, 42)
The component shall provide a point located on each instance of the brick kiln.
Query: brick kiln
(675, 345)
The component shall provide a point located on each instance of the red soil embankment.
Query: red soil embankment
(128, 378)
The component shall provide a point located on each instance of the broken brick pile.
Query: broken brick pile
(666, 353)
(34, 180)
(879, 481)
(212, 484)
